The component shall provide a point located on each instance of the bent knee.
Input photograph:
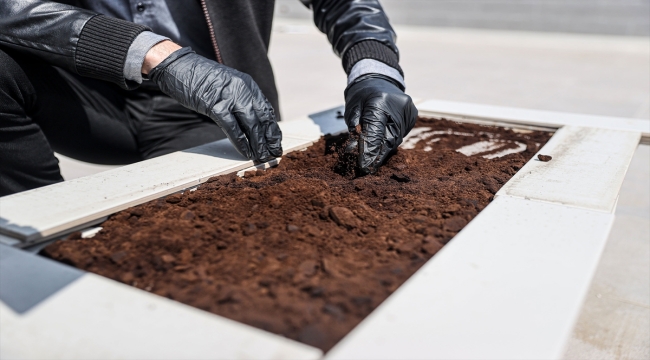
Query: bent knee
(15, 86)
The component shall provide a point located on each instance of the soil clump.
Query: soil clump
(305, 250)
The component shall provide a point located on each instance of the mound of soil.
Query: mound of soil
(301, 250)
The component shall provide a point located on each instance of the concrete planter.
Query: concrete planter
(510, 285)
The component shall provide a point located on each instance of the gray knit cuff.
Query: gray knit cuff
(137, 51)
(371, 66)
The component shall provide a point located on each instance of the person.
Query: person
(118, 81)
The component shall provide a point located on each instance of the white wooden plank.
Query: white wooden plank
(44, 212)
(508, 286)
(97, 318)
(587, 168)
(264, 166)
(469, 111)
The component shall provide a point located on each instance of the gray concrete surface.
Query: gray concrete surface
(603, 75)
(615, 320)
(614, 17)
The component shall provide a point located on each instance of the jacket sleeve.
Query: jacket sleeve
(78, 40)
(357, 30)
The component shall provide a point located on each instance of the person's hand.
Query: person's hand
(229, 97)
(379, 112)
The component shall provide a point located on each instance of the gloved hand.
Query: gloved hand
(379, 112)
(229, 97)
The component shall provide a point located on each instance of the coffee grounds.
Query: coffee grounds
(301, 250)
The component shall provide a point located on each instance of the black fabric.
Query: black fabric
(242, 28)
(370, 49)
(45, 109)
(192, 27)
(187, 27)
(243, 33)
(26, 158)
(44, 29)
(102, 48)
(349, 22)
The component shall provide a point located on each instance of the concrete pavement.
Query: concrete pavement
(614, 17)
(603, 75)
(615, 320)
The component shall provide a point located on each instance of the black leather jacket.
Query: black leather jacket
(94, 45)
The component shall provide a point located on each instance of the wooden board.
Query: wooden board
(39, 214)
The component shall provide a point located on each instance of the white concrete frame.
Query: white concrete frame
(98, 318)
(509, 286)
(518, 117)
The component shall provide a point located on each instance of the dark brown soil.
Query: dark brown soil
(301, 250)
(544, 158)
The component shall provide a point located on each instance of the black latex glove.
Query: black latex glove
(385, 114)
(229, 97)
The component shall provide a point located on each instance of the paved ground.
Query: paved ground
(602, 75)
(605, 75)
(615, 17)
(615, 319)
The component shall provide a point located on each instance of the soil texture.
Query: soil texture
(306, 249)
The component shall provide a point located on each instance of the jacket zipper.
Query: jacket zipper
(213, 37)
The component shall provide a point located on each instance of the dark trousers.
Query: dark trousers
(44, 109)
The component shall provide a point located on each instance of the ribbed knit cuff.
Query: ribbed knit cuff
(370, 49)
(102, 48)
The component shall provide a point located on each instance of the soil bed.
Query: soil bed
(306, 250)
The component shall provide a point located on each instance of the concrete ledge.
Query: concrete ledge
(587, 169)
(499, 115)
(509, 286)
(98, 318)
